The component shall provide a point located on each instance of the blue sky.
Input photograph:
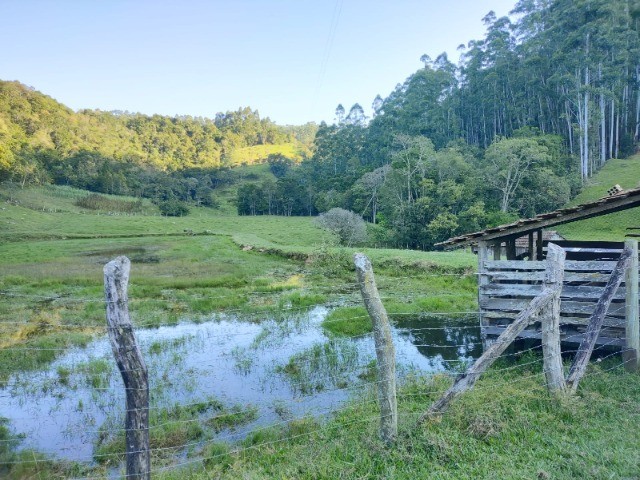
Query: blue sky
(293, 60)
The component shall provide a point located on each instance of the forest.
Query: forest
(516, 128)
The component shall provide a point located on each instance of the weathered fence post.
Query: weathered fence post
(483, 252)
(579, 365)
(131, 366)
(631, 355)
(550, 318)
(468, 379)
(385, 351)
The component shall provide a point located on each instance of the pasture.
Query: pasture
(265, 272)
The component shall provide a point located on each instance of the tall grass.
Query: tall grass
(95, 201)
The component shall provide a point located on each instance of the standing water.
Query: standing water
(277, 369)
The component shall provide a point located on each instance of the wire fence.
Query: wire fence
(316, 379)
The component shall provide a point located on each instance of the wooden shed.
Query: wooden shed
(505, 286)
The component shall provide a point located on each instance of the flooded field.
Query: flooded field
(263, 373)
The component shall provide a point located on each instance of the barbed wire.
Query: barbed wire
(308, 433)
(339, 299)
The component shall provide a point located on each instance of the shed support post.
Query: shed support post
(532, 252)
(539, 244)
(631, 355)
(497, 247)
(482, 279)
(511, 249)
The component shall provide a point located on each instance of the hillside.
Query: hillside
(624, 172)
(33, 124)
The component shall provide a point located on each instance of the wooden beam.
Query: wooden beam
(511, 249)
(539, 252)
(132, 368)
(483, 253)
(385, 350)
(572, 338)
(532, 253)
(550, 319)
(579, 365)
(632, 334)
(570, 265)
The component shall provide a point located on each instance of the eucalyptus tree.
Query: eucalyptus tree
(510, 160)
(365, 193)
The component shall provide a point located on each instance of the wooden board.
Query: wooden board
(572, 337)
(570, 265)
(538, 276)
(614, 322)
(567, 307)
(530, 291)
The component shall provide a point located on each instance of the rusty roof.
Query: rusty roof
(621, 201)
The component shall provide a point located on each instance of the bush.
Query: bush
(349, 227)
(173, 208)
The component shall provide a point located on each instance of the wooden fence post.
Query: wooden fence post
(131, 366)
(550, 318)
(468, 379)
(385, 351)
(579, 365)
(631, 355)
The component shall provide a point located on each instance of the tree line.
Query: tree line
(530, 112)
(33, 125)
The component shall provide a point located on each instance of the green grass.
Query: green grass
(321, 366)
(51, 298)
(61, 199)
(184, 268)
(347, 321)
(612, 227)
(442, 288)
(259, 153)
(508, 427)
(168, 427)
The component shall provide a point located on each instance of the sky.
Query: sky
(292, 60)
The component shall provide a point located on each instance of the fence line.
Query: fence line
(360, 387)
(369, 418)
(286, 422)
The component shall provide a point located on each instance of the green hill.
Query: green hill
(36, 131)
(624, 172)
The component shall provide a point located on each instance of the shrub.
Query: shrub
(173, 208)
(349, 227)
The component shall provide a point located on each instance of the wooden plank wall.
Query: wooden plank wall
(506, 287)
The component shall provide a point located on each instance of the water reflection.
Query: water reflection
(286, 365)
(452, 340)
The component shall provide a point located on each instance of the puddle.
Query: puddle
(284, 369)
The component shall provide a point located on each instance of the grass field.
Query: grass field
(259, 153)
(51, 297)
(508, 427)
(52, 253)
(612, 227)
